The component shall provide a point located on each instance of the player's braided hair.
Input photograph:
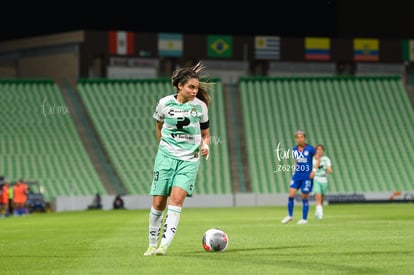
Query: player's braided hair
(182, 75)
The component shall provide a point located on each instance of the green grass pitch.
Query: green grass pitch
(351, 239)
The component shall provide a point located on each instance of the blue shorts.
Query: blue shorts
(305, 185)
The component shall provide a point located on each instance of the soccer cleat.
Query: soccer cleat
(150, 251)
(318, 216)
(161, 251)
(286, 219)
(302, 221)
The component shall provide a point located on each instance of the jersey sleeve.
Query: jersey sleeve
(204, 118)
(158, 115)
(328, 162)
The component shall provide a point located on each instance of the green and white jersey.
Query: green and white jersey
(181, 133)
(321, 175)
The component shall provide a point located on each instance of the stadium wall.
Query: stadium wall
(77, 203)
(69, 56)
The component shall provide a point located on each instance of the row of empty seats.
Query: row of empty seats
(365, 123)
(40, 142)
(121, 112)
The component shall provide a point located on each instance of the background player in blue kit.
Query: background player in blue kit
(302, 176)
(182, 129)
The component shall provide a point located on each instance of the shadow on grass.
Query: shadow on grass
(251, 249)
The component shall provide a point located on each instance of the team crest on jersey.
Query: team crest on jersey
(306, 153)
(193, 112)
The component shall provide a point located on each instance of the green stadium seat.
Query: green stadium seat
(366, 124)
(121, 112)
(41, 141)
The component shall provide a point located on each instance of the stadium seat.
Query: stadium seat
(40, 140)
(121, 112)
(366, 124)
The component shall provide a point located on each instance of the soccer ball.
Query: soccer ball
(215, 240)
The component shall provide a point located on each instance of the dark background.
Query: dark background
(331, 18)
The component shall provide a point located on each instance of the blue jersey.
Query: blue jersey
(303, 162)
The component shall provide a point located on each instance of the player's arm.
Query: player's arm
(329, 168)
(317, 162)
(205, 147)
(294, 167)
(294, 162)
(158, 128)
(312, 174)
(315, 165)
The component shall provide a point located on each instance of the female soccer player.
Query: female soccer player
(302, 176)
(182, 129)
(322, 168)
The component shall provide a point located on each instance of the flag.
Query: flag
(317, 48)
(219, 46)
(170, 44)
(408, 50)
(366, 49)
(121, 43)
(267, 47)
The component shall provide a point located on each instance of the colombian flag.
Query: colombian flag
(317, 48)
(366, 49)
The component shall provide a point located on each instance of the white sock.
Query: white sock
(155, 219)
(319, 210)
(170, 225)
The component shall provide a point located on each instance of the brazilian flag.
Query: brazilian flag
(220, 46)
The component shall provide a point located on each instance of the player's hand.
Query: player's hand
(205, 150)
(312, 175)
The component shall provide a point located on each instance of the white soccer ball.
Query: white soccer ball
(215, 240)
